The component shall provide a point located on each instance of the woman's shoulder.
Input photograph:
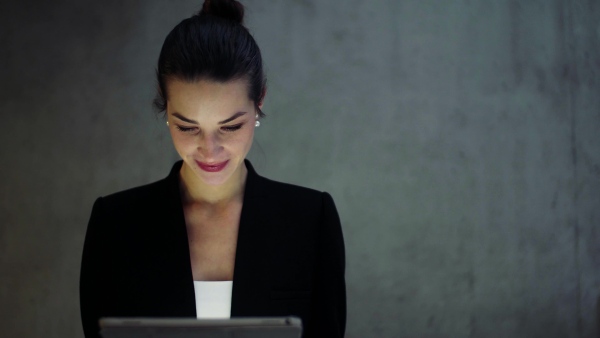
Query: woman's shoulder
(132, 198)
(282, 191)
(154, 192)
(291, 199)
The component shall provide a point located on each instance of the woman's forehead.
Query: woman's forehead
(182, 88)
(204, 97)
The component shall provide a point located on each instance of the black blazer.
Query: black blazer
(289, 259)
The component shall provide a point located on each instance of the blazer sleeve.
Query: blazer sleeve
(329, 302)
(90, 294)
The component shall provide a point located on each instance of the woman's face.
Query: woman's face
(212, 126)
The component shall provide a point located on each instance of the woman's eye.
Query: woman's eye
(232, 128)
(186, 129)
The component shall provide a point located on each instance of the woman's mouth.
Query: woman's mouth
(212, 167)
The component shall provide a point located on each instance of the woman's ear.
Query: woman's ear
(262, 98)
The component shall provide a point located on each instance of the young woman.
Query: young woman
(214, 239)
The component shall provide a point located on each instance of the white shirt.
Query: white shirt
(213, 299)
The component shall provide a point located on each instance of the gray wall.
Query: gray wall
(459, 139)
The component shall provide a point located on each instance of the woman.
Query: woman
(214, 238)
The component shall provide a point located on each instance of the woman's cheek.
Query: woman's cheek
(181, 141)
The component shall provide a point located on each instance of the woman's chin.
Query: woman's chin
(213, 181)
(211, 176)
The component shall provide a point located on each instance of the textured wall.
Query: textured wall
(460, 140)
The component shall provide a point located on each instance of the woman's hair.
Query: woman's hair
(211, 45)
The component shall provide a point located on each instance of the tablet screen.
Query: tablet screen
(276, 327)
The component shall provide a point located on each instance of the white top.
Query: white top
(213, 299)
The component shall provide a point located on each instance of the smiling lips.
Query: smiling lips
(212, 167)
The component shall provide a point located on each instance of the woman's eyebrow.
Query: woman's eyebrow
(183, 118)
(235, 116)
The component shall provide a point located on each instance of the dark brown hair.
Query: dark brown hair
(211, 45)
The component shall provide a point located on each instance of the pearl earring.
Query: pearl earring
(257, 123)
(167, 123)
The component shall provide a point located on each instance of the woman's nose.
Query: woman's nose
(209, 145)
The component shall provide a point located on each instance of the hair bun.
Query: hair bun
(226, 9)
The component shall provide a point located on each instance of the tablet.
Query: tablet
(266, 327)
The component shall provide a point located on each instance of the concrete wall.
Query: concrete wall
(459, 139)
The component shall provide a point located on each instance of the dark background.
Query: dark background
(460, 140)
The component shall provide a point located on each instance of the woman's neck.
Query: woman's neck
(193, 190)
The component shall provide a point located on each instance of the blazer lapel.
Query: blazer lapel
(179, 256)
(250, 281)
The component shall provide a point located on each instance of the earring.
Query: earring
(257, 123)
(167, 123)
